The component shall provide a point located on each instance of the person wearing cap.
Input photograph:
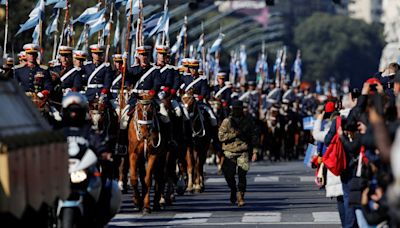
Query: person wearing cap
(142, 74)
(79, 58)
(65, 76)
(166, 85)
(237, 136)
(198, 84)
(98, 74)
(117, 77)
(32, 76)
(8, 67)
(22, 58)
(223, 90)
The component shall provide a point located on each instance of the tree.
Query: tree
(339, 47)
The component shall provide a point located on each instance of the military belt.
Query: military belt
(95, 86)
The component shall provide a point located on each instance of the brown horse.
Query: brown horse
(144, 142)
(198, 143)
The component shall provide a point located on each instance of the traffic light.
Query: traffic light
(270, 2)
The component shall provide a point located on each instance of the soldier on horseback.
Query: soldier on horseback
(98, 74)
(199, 86)
(65, 76)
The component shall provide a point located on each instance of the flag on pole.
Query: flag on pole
(243, 60)
(135, 8)
(50, 2)
(179, 40)
(217, 43)
(97, 25)
(297, 67)
(53, 25)
(35, 16)
(62, 4)
(90, 14)
(117, 34)
(35, 35)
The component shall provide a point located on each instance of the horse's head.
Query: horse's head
(97, 108)
(215, 105)
(144, 116)
(188, 98)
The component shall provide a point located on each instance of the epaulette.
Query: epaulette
(87, 63)
(18, 66)
(44, 67)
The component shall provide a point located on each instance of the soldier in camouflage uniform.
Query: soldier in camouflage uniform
(238, 137)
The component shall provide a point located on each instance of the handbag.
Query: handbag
(335, 157)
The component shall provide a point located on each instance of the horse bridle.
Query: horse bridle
(145, 106)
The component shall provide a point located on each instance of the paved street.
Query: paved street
(279, 195)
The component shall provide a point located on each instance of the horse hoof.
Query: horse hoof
(146, 211)
(197, 191)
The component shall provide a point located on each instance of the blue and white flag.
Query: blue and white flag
(53, 25)
(107, 29)
(97, 25)
(243, 60)
(117, 34)
(277, 64)
(49, 2)
(217, 43)
(90, 14)
(179, 40)
(135, 8)
(35, 35)
(82, 37)
(62, 4)
(35, 16)
(297, 67)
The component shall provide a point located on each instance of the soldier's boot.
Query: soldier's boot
(240, 197)
(233, 197)
(172, 144)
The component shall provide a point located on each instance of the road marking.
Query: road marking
(190, 218)
(216, 180)
(261, 217)
(332, 216)
(267, 179)
(307, 178)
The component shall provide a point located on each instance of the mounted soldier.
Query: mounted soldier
(98, 74)
(142, 75)
(65, 76)
(222, 95)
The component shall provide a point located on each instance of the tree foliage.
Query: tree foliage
(339, 47)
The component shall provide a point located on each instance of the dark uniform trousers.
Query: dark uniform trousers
(229, 169)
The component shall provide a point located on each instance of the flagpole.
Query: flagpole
(40, 39)
(6, 33)
(125, 64)
(165, 13)
(99, 33)
(109, 35)
(185, 39)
